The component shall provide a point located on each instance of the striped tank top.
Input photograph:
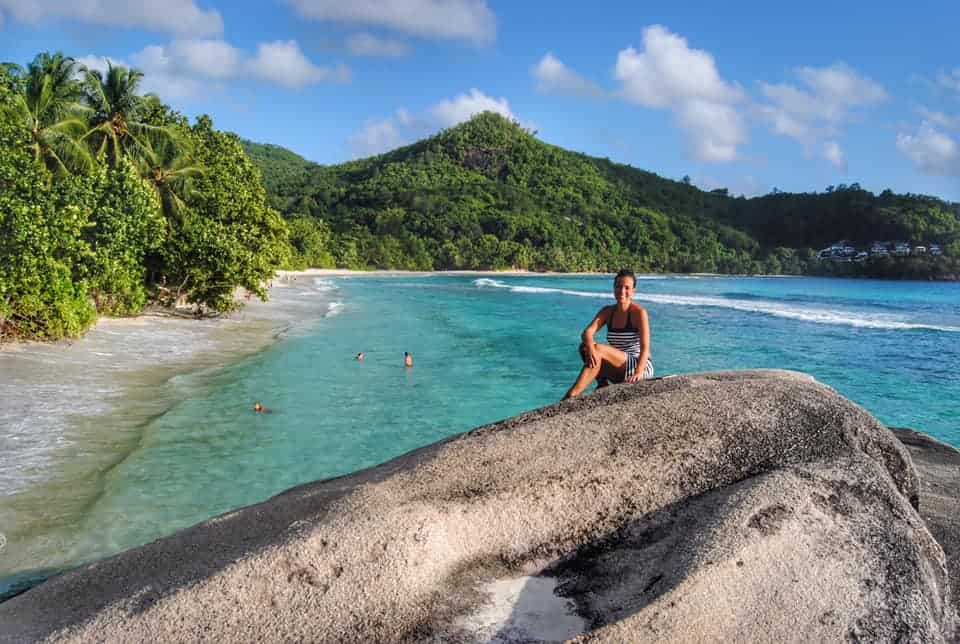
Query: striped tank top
(627, 339)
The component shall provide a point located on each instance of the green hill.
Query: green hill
(488, 194)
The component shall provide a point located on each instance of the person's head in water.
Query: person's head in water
(407, 359)
(360, 356)
(257, 407)
(624, 285)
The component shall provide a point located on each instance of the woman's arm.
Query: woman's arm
(637, 375)
(595, 325)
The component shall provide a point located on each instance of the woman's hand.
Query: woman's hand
(593, 356)
(636, 376)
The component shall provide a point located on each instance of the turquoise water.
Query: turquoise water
(484, 348)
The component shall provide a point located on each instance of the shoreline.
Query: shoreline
(280, 546)
(79, 408)
(283, 279)
(348, 272)
(285, 295)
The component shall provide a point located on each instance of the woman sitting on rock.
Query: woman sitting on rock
(627, 357)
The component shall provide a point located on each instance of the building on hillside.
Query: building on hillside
(840, 251)
(901, 249)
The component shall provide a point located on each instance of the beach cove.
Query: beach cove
(127, 447)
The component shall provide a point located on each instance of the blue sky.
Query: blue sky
(747, 95)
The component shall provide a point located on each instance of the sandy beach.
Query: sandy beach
(341, 272)
(75, 409)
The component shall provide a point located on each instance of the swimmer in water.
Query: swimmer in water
(359, 356)
(407, 359)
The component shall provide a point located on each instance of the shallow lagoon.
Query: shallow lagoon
(145, 427)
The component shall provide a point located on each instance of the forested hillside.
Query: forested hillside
(487, 194)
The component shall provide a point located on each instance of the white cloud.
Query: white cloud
(834, 154)
(377, 136)
(210, 58)
(174, 16)
(945, 121)
(949, 80)
(469, 20)
(820, 108)
(715, 129)
(167, 73)
(449, 112)
(364, 44)
(800, 107)
(186, 68)
(283, 63)
(669, 74)
(381, 135)
(932, 151)
(841, 84)
(667, 71)
(159, 76)
(553, 77)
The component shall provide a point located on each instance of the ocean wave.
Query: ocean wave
(334, 308)
(857, 319)
(324, 285)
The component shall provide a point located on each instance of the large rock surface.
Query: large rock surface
(938, 466)
(736, 506)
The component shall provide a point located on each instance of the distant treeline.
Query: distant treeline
(109, 199)
(487, 195)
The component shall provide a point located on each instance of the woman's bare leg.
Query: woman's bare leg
(601, 381)
(611, 364)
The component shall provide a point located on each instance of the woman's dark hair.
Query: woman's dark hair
(626, 272)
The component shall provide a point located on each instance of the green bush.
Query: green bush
(227, 235)
(126, 225)
(40, 241)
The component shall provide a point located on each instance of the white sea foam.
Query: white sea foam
(860, 319)
(324, 285)
(334, 308)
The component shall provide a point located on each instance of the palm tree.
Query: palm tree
(49, 108)
(115, 130)
(166, 164)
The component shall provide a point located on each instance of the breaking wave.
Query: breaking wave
(859, 319)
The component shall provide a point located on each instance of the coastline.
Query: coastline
(346, 272)
(315, 544)
(157, 394)
(76, 410)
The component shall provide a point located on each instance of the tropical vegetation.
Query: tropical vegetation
(489, 195)
(109, 199)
